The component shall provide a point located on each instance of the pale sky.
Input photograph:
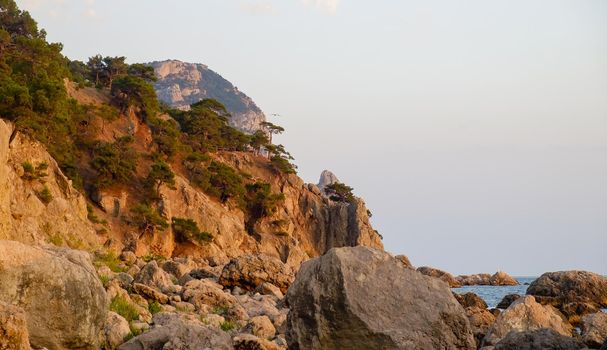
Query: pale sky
(476, 130)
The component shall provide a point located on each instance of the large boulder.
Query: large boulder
(442, 275)
(363, 298)
(539, 339)
(525, 314)
(153, 276)
(13, 328)
(594, 329)
(560, 288)
(180, 334)
(250, 271)
(501, 278)
(470, 300)
(116, 330)
(64, 301)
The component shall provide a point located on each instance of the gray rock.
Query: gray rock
(525, 314)
(594, 329)
(250, 271)
(442, 275)
(507, 301)
(326, 178)
(116, 330)
(153, 276)
(362, 298)
(540, 339)
(58, 288)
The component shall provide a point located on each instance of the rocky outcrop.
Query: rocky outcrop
(181, 84)
(346, 298)
(499, 278)
(251, 271)
(507, 300)
(525, 314)
(326, 178)
(13, 328)
(60, 218)
(594, 329)
(405, 260)
(64, 301)
(540, 339)
(563, 287)
(442, 275)
(470, 300)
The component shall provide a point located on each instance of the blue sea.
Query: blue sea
(492, 295)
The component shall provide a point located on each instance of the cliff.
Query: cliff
(180, 84)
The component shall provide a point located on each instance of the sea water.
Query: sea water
(492, 295)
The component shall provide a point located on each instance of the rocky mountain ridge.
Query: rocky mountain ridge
(180, 84)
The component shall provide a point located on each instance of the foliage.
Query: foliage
(186, 230)
(110, 260)
(154, 307)
(45, 195)
(135, 91)
(227, 325)
(31, 173)
(339, 192)
(147, 219)
(114, 162)
(166, 135)
(261, 201)
(124, 308)
(160, 174)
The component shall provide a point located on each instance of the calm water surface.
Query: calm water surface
(492, 295)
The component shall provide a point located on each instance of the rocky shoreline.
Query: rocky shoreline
(349, 298)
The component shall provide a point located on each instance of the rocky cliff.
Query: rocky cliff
(180, 84)
(37, 201)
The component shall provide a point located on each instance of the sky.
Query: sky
(476, 130)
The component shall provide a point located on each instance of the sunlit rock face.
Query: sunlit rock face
(180, 84)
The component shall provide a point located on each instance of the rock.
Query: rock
(206, 292)
(213, 320)
(481, 321)
(180, 335)
(250, 271)
(128, 257)
(539, 339)
(153, 276)
(269, 289)
(479, 279)
(507, 301)
(150, 293)
(326, 178)
(346, 300)
(442, 275)
(124, 279)
(525, 314)
(470, 300)
(575, 310)
(558, 288)
(501, 278)
(594, 329)
(116, 330)
(13, 328)
(178, 269)
(64, 301)
(203, 273)
(262, 327)
(251, 342)
(405, 260)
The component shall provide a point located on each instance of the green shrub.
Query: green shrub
(147, 219)
(154, 307)
(110, 260)
(114, 162)
(186, 230)
(31, 173)
(339, 192)
(45, 195)
(227, 325)
(124, 308)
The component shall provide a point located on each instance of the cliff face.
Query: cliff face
(305, 225)
(24, 215)
(180, 84)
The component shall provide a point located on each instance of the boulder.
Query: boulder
(269, 289)
(180, 335)
(206, 292)
(479, 279)
(262, 327)
(507, 301)
(525, 314)
(363, 298)
(442, 275)
(251, 342)
(405, 260)
(116, 330)
(64, 301)
(153, 276)
(480, 320)
(501, 278)
(470, 300)
(249, 271)
(594, 329)
(13, 328)
(150, 293)
(559, 288)
(539, 339)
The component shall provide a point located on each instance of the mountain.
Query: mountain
(180, 84)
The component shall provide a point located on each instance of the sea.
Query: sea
(492, 295)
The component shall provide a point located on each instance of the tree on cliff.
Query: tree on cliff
(160, 174)
(272, 129)
(339, 192)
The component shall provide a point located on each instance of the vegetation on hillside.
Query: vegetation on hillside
(33, 77)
